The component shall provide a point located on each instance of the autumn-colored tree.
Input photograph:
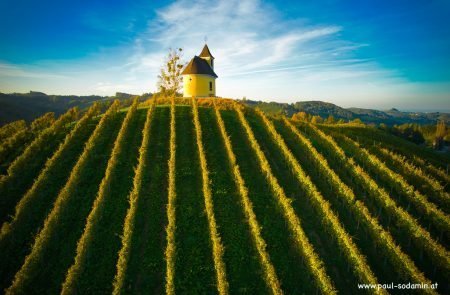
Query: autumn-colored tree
(440, 134)
(316, 119)
(330, 120)
(169, 79)
(300, 116)
(357, 121)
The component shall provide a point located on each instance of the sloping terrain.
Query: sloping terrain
(209, 196)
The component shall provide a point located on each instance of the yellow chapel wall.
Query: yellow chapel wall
(198, 85)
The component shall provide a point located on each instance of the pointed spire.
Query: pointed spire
(206, 53)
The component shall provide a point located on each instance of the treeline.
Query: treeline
(436, 135)
(316, 119)
(433, 135)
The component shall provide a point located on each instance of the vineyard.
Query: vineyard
(207, 196)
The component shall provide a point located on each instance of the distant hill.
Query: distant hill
(325, 109)
(28, 106)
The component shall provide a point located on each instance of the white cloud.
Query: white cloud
(10, 70)
(248, 38)
(251, 41)
(259, 54)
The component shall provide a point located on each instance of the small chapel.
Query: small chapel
(199, 78)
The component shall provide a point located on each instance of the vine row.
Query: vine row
(74, 272)
(353, 254)
(217, 246)
(269, 271)
(22, 278)
(171, 215)
(406, 266)
(313, 260)
(27, 166)
(129, 222)
(439, 218)
(440, 255)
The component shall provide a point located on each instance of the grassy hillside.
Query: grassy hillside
(209, 196)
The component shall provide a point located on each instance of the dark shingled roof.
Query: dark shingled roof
(205, 52)
(198, 65)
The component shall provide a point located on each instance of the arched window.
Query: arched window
(210, 86)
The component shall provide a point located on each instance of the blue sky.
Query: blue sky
(377, 54)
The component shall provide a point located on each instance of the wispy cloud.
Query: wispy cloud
(259, 54)
(239, 31)
(248, 38)
(10, 70)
